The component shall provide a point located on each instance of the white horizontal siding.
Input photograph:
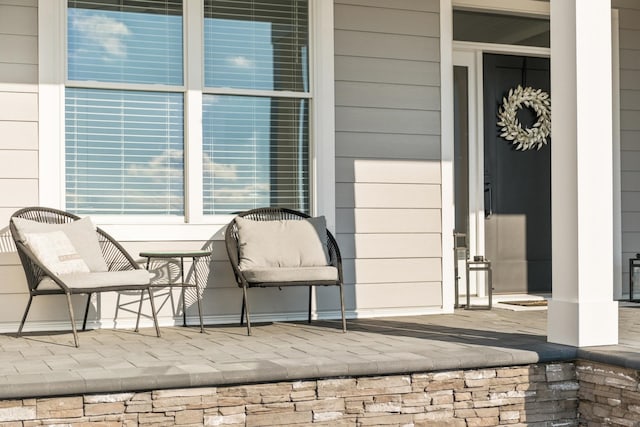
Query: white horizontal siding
(18, 192)
(384, 20)
(19, 135)
(390, 245)
(386, 120)
(391, 220)
(388, 193)
(389, 196)
(389, 46)
(379, 95)
(387, 171)
(18, 149)
(19, 164)
(18, 20)
(365, 145)
(391, 71)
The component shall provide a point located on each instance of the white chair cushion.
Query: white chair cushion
(284, 243)
(81, 233)
(289, 274)
(56, 252)
(99, 280)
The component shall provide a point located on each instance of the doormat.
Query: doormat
(528, 303)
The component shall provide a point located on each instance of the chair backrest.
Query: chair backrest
(115, 256)
(274, 214)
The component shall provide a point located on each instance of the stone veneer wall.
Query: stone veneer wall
(608, 395)
(545, 394)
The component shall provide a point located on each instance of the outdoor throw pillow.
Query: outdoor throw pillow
(81, 233)
(284, 243)
(56, 252)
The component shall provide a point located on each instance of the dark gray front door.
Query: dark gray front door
(517, 183)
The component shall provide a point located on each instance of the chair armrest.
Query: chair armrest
(231, 243)
(115, 256)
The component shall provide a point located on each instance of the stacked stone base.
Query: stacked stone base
(608, 395)
(532, 395)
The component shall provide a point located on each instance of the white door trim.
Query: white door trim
(469, 60)
(469, 54)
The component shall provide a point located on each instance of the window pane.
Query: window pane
(132, 41)
(255, 153)
(124, 152)
(502, 29)
(253, 44)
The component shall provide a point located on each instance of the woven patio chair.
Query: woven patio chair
(302, 277)
(119, 271)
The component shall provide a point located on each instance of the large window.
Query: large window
(255, 141)
(126, 124)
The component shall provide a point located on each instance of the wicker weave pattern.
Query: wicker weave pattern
(116, 257)
(277, 214)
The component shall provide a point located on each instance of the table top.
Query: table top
(175, 254)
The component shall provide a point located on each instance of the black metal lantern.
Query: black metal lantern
(634, 274)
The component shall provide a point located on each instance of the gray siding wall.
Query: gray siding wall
(387, 72)
(18, 138)
(629, 130)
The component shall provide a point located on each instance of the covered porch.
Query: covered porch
(491, 363)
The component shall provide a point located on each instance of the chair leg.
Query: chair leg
(200, 310)
(137, 329)
(310, 297)
(73, 320)
(86, 312)
(24, 317)
(344, 321)
(242, 312)
(153, 312)
(245, 304)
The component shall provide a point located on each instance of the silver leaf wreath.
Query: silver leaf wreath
(531, 138)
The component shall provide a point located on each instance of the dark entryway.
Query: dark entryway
(517, 183)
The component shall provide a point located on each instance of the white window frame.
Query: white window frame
(194, 225)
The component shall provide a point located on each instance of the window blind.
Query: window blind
(129, 41)
(256, 44)
(255, 153)
(124, 152)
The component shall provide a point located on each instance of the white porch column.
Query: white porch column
(582, 311)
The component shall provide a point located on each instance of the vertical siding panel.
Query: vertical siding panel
(388, 153)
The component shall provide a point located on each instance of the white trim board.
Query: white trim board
(512, 7)
(447, 154)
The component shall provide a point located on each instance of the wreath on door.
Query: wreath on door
(534, 137)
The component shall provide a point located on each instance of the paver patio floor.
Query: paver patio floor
(47, 364)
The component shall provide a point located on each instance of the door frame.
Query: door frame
(470, 54)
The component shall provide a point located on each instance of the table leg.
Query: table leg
(184, 305)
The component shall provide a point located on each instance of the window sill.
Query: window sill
(163, 229)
